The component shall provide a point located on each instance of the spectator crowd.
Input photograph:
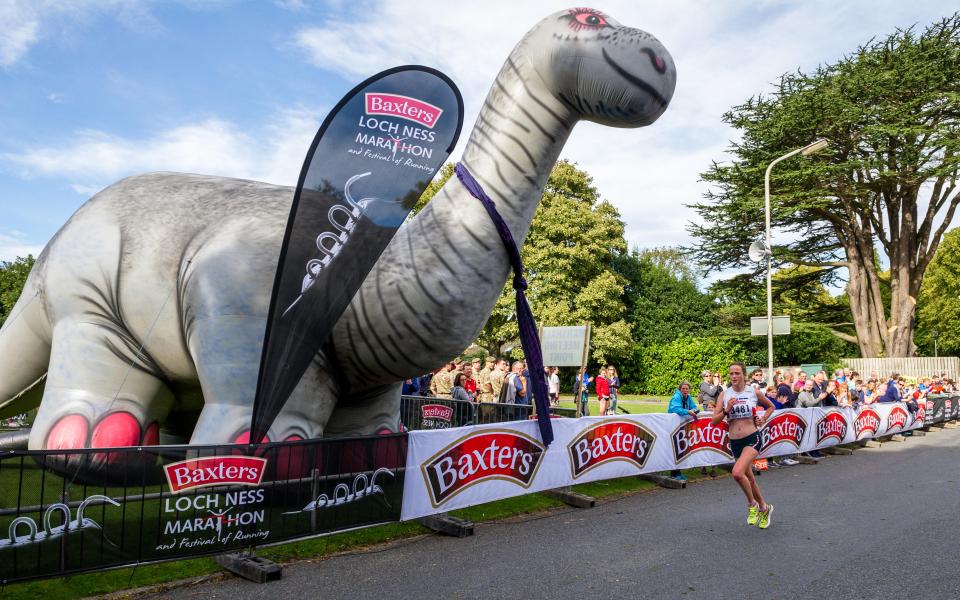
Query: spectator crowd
(794, 388)
(496, 380)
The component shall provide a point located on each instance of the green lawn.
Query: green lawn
(634, 404)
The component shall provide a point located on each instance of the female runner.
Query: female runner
(738, 404)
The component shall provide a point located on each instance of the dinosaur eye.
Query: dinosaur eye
(658, 63)
(586, 18)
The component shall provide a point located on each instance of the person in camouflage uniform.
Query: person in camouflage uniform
(483, 380)
(457, 370)
(442, 382)
(497, 376)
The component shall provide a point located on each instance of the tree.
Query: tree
(674, 261)
(886, 184)
(13, 276)
(939, 303)
(661, 296)
(574, 239)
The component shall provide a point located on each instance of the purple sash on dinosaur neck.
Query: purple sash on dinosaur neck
(528, 327)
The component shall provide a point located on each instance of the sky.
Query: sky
(92, 91)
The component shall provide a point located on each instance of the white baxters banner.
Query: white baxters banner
(464, 466)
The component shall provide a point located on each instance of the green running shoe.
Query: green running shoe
(753, 515)
(764, 521)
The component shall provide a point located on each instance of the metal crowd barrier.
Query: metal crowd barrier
(67, 512)
(427, 412)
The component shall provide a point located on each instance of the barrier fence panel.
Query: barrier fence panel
(64, 513)
(496, 412)
(419, 412)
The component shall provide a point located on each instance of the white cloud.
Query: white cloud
(14, 244)
(18, 32)
(213, 146)
(86, 190)
(725, 53)
(291, 5)
(26, 22)
(56, 98)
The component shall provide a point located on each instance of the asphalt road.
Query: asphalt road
(882, 523)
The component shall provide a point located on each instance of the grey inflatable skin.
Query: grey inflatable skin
(183, 265)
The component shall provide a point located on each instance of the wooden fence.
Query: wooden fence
(908, 367)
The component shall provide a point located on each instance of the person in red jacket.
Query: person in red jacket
(603, 390)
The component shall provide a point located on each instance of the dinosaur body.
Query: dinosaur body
(188, 278)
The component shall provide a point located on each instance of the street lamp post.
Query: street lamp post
(815, 146)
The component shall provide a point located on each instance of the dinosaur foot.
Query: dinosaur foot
(114, 430)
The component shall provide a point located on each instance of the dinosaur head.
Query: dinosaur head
(604, 71)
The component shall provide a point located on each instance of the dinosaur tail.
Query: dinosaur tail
(24, 353)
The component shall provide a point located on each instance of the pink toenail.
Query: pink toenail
(69, 432)
(290, 461)
(116, 430)
(244, 438)
(151, 437)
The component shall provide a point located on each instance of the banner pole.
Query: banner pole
(583, 365)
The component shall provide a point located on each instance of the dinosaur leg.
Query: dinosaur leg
(99, 394)
(226, 352)
(375, 412)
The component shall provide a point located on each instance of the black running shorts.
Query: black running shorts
(751, 441)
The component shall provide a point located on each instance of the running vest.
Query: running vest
(745, 405)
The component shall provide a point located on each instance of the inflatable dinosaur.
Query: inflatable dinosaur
(146, 311)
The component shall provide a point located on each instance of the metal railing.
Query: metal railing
(66, 512)
(428, 412)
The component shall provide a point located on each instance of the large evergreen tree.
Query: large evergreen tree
(939, 304)
(886, 184)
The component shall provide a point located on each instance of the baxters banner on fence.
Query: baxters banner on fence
(190, 501)
(461, 467)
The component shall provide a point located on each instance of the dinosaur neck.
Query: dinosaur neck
(515, 142)
(440, 276)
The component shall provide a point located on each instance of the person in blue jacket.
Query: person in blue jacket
(892, 394)
(684, 405)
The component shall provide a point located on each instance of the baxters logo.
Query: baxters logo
(492, 454)
(215, 470)
(832, 425)
(437, 411)
(897, 418)
(405, 107)
(694, 436)
(921, 415)
(868, 421)
(784, 427)
(608, 441)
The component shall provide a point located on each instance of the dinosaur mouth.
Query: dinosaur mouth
(643, 85)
